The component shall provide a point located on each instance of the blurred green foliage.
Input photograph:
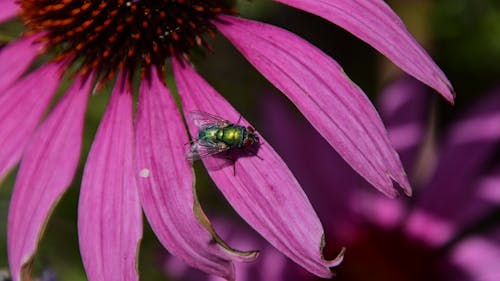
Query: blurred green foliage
(467, 44)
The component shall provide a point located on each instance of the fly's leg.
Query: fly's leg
(238, 122)
(228, 157)
(191, 142)
(254, 153)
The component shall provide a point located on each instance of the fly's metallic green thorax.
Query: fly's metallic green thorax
(216, 135)
(209, 133)
(107, 36)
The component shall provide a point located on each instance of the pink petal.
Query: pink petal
(346, 196)
(271, 264)
(166, 184)
(109, 212)
(468, 149)
(427, 226)
(49, 164)
(403, 107)
(377, 210)
(478, 256)
(489, 187)
(8, 9)
(21, 108)
(328, 192)
(374, 22)
(15, 58)
(264, 192)
(316, 84)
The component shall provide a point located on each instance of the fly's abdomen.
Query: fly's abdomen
(232, 136)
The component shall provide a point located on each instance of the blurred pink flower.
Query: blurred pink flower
(447, 231)
(142, 166)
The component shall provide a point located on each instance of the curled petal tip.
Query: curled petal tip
(454, 96)
(240, 256)
(248, 256)
(450, 94)
(236, 255)
(408, 191)
(338, 259)
(404, 185)
(400, 179)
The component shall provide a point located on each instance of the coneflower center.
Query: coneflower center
(103, 37)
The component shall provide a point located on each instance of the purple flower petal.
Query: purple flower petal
(478, 257)
(166, 184)
(339, 198)
(8, 9)
(21, 108)
(377, 210)
(15, 58)
(316, 84)
(489, 187)
(263, 191)
(403, 108)
(467, 149)
(374, 22)
(109, 212)
(329, 193)
(271, 264)
(49, 164)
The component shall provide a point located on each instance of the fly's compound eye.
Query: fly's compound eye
(247, 143)
(250, 129)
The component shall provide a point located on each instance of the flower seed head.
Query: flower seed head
(103, 37)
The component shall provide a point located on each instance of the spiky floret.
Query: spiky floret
(105, 36)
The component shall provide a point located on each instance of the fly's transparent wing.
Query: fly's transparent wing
(202, 119)
(199, 150)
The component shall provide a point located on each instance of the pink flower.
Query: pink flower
(448, 231)
(141, 166)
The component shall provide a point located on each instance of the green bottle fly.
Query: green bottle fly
(217, 135)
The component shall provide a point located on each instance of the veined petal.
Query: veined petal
(376, 23)
(47, 169)
(343, 201)
(8, 9)
(332, 103)
(15, 58)
(21, 108)
(469, 147)
(166, 182)
(402, 106)
(331, 201)
(109, 212)
(263, 191)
